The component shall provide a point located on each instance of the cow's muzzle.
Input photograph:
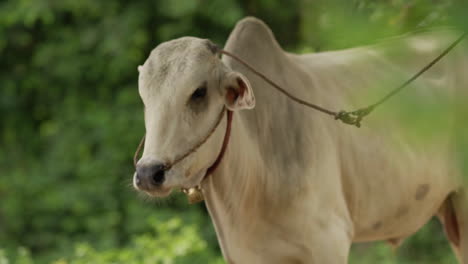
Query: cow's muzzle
(149, 177)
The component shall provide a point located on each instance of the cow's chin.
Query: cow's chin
(159, 192)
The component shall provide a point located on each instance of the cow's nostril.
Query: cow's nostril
(158, 177)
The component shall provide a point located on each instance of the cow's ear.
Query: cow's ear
(237, 92)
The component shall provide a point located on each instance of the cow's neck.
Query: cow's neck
(234, 192)
(260, 169)
(241, 173)
(260, 174)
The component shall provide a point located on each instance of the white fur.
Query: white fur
(296, 186)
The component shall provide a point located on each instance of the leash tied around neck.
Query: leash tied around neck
(348, 117)
(195, 194)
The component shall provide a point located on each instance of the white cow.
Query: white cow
(296, 186)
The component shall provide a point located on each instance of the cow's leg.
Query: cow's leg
(460, 203)
(320, 243)
(454, 217)
(447, 217)
(322, 246)
(330, 244)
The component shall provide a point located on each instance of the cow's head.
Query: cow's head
(184, 87)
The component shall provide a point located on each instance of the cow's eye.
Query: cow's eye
(199, 93)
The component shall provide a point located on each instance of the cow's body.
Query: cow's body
(299, 187)
(296, 186)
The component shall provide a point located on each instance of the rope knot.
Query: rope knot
(354, 117)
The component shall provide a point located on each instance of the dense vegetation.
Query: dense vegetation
(71, 119)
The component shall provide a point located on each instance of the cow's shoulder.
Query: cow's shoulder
(251, 37)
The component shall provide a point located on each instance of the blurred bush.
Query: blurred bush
(71, 116)
(169, 242)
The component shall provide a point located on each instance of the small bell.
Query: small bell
(194, 195)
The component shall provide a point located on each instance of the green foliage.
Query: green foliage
(335, 24)
(21, 256)
(71, 117)
(169, 242)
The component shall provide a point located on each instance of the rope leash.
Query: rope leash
(348, 117)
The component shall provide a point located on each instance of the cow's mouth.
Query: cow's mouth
(159, 192)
